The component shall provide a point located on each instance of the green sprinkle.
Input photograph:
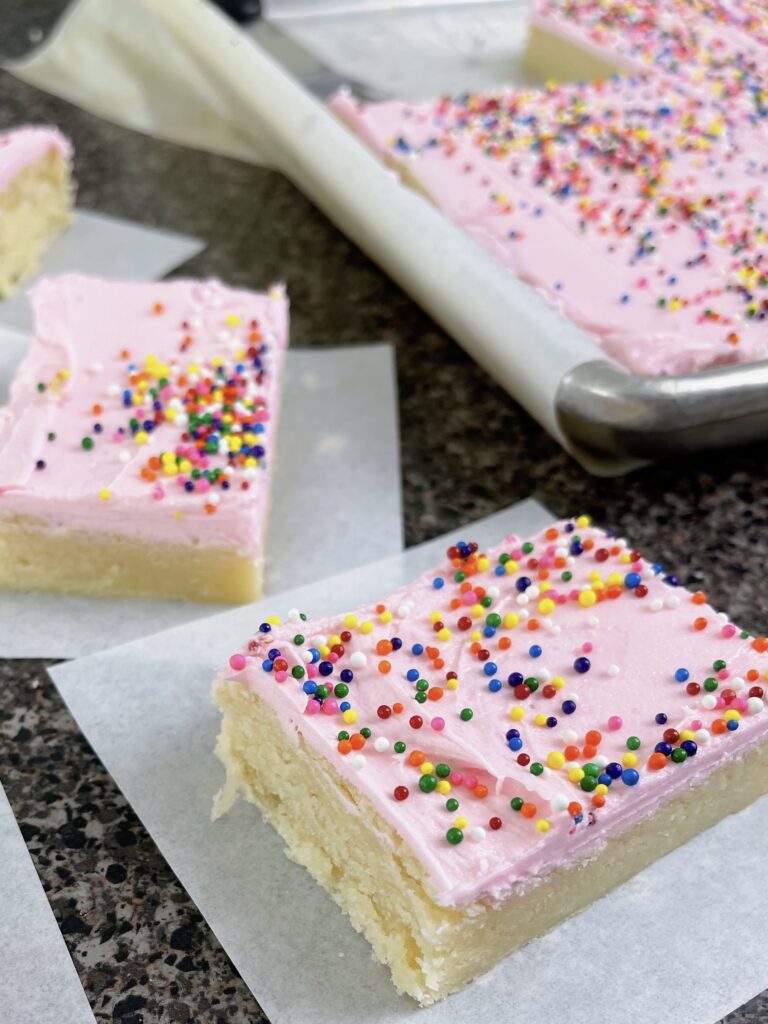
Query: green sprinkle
(679, 755)
(516, 803)
(427, 783)
(454, 836)
(399, 747)
(298, 671)
(442, 771)
(588, 783)
(87, 443)
(340, 690)
(633, 742)
(466, 714)
(451, 804)
(710, 685)
(298, 639)
(343, 735)
(365, 731)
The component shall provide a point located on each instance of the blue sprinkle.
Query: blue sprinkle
(417, 649)
(689, 747)
(515, 678)
(661, 718)
(412, 675)
(266, 665)
(663, 748)
(568, 707)
(515, 743)
(345, 705)
(535, 651)
(489, 631)
(613, 769)
(513, 734)
(582, 665)
(632, 580)
(682, 675)
(309, 687)
(605, 779)
(325, 668)
(438, 582)
(265, 628)
(630, 776)
(346, 675)
(733, 725)
(523, 583)
(490, 668)
(495, 685)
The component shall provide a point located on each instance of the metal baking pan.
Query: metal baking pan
(609, 419)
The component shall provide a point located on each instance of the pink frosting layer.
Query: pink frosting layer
(97, 343)
(636, 632)
(636, 206)
(24, 146)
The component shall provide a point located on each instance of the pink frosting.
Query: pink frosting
(21, 147)
(635, 646)
(90, 337)
(635, 206)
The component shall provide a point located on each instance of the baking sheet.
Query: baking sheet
(108, 247)
(682, 942)
(336, 503)
(38, 981)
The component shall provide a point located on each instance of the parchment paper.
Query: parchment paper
(108, 247)
(335, 504)
(682, 942)
(38, 981)
(204, 82)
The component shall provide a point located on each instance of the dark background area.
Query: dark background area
(142, 949)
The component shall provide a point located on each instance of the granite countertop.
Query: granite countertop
(143, 951)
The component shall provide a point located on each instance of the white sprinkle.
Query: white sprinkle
(559, 802)
(358, 761)
(294, 615)
(96, 367)
(722, 618)
(593, 621)
(381, 743)
(477, 834)
(492, 592)
(737, 683)
(657, 604)
(600, 760)
(556, 630)
(673, 601)
(522, 600)
(561, 552)
(211, 499)
(306, 656)
(548, 625)
(532, 593)
(709, 701)
(613, 670)
(358, 659)
(702, 735)
(124, 456)
(755, 705)
(570, 736)
(113, 390)
(543, 674)
(404, 611)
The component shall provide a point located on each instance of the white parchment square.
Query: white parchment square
(38, 981)
(335, 504)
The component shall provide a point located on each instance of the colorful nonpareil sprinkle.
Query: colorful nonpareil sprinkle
(562, 742)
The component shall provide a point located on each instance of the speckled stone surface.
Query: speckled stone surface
(143, 951)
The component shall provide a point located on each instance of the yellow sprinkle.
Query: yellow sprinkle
(686, 734)
(141, 437)
(516, 713)
(510, 567)
(555, 759)
(476, 611)
(547, 606)
(274, 620)
(625, 558)
(444, 787)
(587, 598)
(601, 789)
(366, 628)
(732, 715)
(615, 579)
(576, 774)
(460, 823)
(444, 633)
(629, 760)
(434, 617)
(583, 521)
(558, 682)
(350, 621)
(333, 640)
(349, 716)
(511, 619)
(325, 650)
(540, 719)
(385, 617)
(542, 825)
(475, 635)
(483, 563)
(232, 320)
(452, 684)
(426, 768)
(105, 494)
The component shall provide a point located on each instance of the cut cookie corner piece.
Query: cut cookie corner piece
(495, 746)
(137, 446)
(36, 197)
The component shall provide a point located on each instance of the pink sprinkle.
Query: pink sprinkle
(720, 703)
(740, 704)
(311, 671)
(469, 598)
(158, 493)
(456, 778)
(333, 656)
(696, 724)
(728, 631)
(615, 722)
(203, 485)
(330, 706)
(280, 677)
(438, 724)
(313, 706)
(117, 437)
(586, 647)
(723, 673)
(237, 662)
(470, 781)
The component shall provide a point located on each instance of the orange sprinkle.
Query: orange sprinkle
(528, 810)
(656, 762)
(357, 741)
(719, 727)
(571, 753)
(760, 644)
(96, 409)
(598, 800)
(416, 757)
(699, 624)
(594, 738)
(533, 624)
(481, 791)
(397, 708)
(505, 643)
(699, 597)
(589, 750)
(438, 663)
(384, 647)
(385, 667)
(435, 692)
(158, 307)
(574, 808)
(552, 533)
(344, 747)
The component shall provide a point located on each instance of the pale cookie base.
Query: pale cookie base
(372, 874)
(35, 207)
(550, 56)
(37, 556)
